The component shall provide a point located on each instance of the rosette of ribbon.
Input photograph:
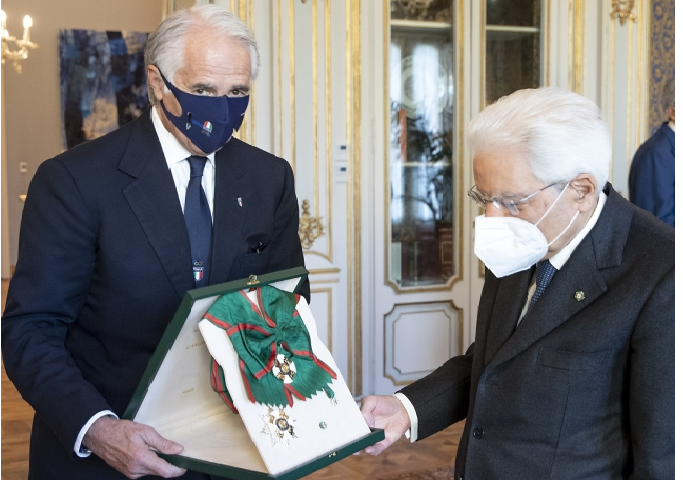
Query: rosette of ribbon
(276, 360)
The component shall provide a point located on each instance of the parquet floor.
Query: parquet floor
(16, 425)
(399, 459)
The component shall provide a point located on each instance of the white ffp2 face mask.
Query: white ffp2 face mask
(509, 245)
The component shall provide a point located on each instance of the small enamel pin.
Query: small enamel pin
(197, 270)
(284, 369)
(239, 201)
(278, 426)
(579, 296)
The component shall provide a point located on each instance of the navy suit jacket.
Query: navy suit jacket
(584, 387)
(651, 181)
(104, 261)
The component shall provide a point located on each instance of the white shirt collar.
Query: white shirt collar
(672, 125)
(174, 151)
(560, 258)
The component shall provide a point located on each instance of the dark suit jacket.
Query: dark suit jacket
(105, 261)
(651, 181)
(582, 389)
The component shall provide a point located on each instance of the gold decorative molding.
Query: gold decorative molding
(642, 38)
(314, 73)
(324, 282)
(611, 118)
(357, 192)
(310, 228)
(576, 40)
(624, 10)
(353, 190)
(546, 60)
(328, 292)
(291, 85)
(328, 121)
(253, 96)
(323, 271)
(279, 78)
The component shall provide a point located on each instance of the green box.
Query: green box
(175, 397)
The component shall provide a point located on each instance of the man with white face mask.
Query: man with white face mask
(571, 373)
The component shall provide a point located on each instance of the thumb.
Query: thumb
(163, 445)
(367, 409)
(369, 418)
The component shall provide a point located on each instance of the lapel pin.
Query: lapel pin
(579, 296)
(239, 201)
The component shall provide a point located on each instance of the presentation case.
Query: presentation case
(175, 397)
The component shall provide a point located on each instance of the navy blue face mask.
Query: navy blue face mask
(207, 121)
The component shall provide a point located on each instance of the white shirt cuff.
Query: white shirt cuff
(82, 451)
(411, 433)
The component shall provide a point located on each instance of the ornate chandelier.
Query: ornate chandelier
(24, 45)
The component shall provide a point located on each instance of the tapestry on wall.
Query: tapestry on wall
(662, 58)
(103, 82)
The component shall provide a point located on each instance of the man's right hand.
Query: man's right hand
(385, 412)
(128, 447)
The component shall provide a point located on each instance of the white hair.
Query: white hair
(166, 45)
(669, 94)
(561, 133)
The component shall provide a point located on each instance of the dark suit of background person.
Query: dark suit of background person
(105, 260)
(546, 402)
(651, 181)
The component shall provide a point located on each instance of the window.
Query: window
(421, 96)
(513, 47)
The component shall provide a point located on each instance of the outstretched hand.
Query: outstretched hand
(386, 412)
(128, 447)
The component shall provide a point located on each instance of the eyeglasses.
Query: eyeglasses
(501, 202)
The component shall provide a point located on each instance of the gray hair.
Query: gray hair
(561, 133)
(165, 46)
(669, 94)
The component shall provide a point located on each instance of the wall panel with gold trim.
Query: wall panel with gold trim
(418, 337)
(310, 91)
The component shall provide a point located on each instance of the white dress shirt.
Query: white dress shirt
(558, 260)
(176, 158)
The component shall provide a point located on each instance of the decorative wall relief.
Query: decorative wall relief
(103, 82)
(310, 227)
(624, 10)
(662, 58)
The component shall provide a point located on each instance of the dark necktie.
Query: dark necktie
(544, 272)
(198, 221)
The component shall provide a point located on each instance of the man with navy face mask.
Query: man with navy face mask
(571, 373)
(115, 231)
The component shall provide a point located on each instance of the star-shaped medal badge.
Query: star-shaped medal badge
(279, 426)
